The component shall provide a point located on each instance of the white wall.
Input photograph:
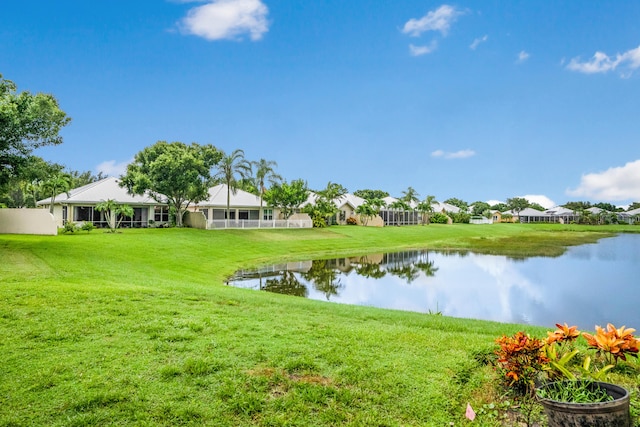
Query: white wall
(27, 221)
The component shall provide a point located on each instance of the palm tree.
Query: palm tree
(264, 170)
(58, 183)
(410, 195)
(232, 169)
(426, 208)
(112, 210)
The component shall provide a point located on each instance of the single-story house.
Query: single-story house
(242, 205)
(245, 211)
(629, 217)
(79, 205)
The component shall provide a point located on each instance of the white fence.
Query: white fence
(254, 223)
(480, 220)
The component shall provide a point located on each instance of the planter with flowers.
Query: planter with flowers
(570, 386)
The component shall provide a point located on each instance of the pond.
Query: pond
(587, 285)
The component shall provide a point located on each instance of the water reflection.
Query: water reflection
(588, 285)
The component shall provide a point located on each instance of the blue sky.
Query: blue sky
(479, 100)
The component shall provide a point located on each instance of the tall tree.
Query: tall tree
(500, 207)
(426, 208)
(172, 173)
(461, 204)
(371, 194)
(287, 197)
(480, 208)
(633, 206)
(410, 196)
(333, 192)
(79, 179)
(577, 206)
(369, 209)
(608, 207)
(325, 206)
(56, 184)
(27, 121)
(265, 172)
(232, 169)
(517, 205)
(24, 189)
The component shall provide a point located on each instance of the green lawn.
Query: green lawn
(137, 328)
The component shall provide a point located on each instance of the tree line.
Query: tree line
(180, 174)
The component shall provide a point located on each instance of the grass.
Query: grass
(137, 329)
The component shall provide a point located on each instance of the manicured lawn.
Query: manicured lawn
(137, 328)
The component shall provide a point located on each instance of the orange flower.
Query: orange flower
(616, 342)
(563, 333)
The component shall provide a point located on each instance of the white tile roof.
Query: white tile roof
(218, 198)
(100, 191)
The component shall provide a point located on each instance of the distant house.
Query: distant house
(80, 205)
(556, 214)
(347, 206)
(243, 205)
(244, 212)
(630, 217)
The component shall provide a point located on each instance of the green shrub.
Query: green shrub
(70, 227)
(439, 218)
(88, 226)
(460, 217)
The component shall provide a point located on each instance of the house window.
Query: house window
(135, 221)
(267, 214)
(205, 212)
(243, 215)
(161, 214)
(64, 214)
(254, 215)
(232, 214)
(83, 213)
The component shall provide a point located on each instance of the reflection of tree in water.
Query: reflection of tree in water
(370, 270)
(287, 284)
(323, 277)
(427, 267)
(408, 265)
(407, 272)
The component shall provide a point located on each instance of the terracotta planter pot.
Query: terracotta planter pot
(602, 414)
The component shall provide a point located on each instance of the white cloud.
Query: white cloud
(227, 19)
(422, 50)
(540, 199)
(111, 168)
(523, 56)
(478, 41)
(603, 63)
(436, 20)
(617, 183)
(461, 154)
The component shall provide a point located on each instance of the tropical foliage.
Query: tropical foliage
(265, 172)
(520, 360)
(287, 197)
(371, 194)
(523, 360)
(172, 173)
(114, 213)
(232, 170)
(324, 209)
(426, 208)
(58, 183)
(27, 121)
